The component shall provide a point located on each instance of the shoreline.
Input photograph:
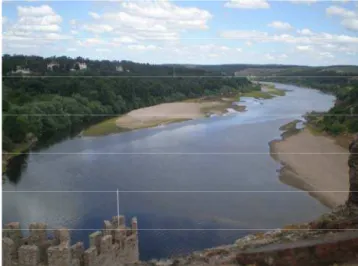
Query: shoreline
(315, 163)
(164, 113)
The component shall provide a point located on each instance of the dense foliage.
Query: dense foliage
(60, 100)
(342, 82)
(343, 117)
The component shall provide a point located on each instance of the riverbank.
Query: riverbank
(313, 163)
(164, 114)
(17, 150)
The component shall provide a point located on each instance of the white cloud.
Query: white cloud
(98, 28)
(4, 20)
(160, 20)
(56, 36)
(279, 25)
(124, 39)
(304, 48)
(40, 28)
(340, 11)
(91, 42)
(248, 4)
(305, 32)
(307, 2)
(329, 46)
(35, 26)
(31, 11)
(213, 55)
(269, 57)
(71, 49)
(349, 17)
(351, 24)
(316, 38)
(103, 50)
(141, 47)
(94, 15)
(326, 55)
(342, 1)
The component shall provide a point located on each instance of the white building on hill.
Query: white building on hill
(21, 70)
(81, 66)
(52, 65)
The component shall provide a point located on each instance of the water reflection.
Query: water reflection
(15, 168)
(216, 154)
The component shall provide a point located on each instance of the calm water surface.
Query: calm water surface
(217, 154)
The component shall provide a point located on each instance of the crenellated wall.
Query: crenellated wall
(116, 244)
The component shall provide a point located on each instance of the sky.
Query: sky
(303, 32)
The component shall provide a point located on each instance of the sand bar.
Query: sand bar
(320, 164)
(169, 112)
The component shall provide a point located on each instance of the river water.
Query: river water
(192, 185)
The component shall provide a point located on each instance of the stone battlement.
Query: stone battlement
(116, 244)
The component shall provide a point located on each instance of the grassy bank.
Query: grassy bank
(270, 88)
(257, 95)
(103, 128)
(109, 126)
(268, 91)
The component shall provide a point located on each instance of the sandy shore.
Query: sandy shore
(170, 112)
(164, 114)
(316, 172)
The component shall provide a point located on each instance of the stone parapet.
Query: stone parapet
(116, 244)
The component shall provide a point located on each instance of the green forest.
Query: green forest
(48, 101)
(343, 117)
(64, 98)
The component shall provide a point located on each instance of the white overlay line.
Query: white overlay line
(176, 191)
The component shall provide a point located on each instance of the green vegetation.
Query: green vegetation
(103, 128)
(290, 125)
(47, 102)
(290, 129)
(267, 91)
(109, 126)
(338, 80)
(257, 94)
(343, 117)
(270, 88)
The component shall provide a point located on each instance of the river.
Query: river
(192, 185)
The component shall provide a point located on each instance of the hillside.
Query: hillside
(43, 97)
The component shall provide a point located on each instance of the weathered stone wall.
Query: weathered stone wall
(116, 244)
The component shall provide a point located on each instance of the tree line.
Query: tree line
(45, 105)
(343, 117)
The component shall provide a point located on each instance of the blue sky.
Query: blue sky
(309, 32)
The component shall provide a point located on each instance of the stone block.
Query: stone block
(59, 256)
(29, 255)
(8, 251)
(13, 231)
(38, 233)
(62, 237)
(90, 256)
(106, 244)
(95, 240)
